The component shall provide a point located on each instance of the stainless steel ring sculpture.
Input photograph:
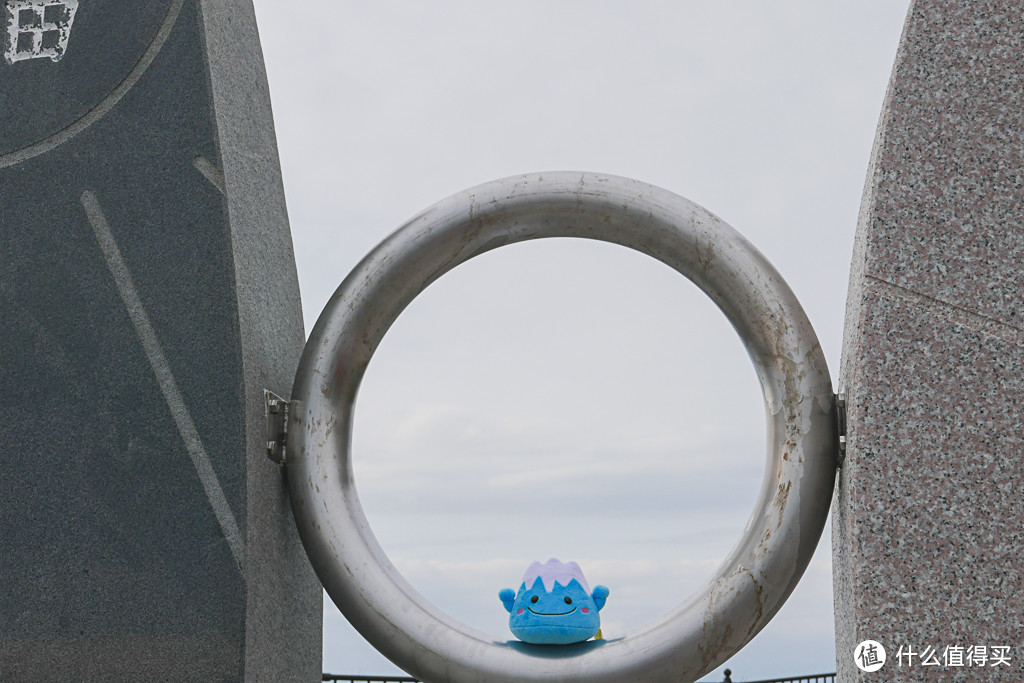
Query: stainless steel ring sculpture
(751, 584)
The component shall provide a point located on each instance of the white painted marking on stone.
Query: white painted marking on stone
(97, 112)
(210, 172)
(164, 376)
(38, 29)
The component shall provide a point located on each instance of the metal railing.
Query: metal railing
(810, 678)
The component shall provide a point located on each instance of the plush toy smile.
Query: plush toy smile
(538, 611)
(551, 614)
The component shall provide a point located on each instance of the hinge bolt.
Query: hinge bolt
(841, 425)
(276, 411)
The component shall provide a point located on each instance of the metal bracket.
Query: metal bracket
(276, 412)
(841, 425)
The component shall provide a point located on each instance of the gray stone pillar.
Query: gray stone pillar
(149, 295)
(927, 522)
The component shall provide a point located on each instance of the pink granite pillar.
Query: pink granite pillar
(929, 517)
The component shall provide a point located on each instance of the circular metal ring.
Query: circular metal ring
(751, 584)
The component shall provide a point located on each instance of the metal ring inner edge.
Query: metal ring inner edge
(753, 581)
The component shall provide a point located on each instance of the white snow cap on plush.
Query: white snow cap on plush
(554, 570)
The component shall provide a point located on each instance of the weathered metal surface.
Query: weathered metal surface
(765, 565)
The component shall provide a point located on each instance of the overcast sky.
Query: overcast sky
(564, 398)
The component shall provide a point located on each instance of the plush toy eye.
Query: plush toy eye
(568, 600)
(534, 599)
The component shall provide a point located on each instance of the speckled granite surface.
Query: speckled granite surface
(148, 295)
(927, 528)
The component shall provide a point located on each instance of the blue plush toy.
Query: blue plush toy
(554, 605)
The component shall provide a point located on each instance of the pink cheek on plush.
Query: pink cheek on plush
(585, 610)
(521, 610)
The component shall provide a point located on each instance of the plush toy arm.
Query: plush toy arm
(600, 594)
(508, 596)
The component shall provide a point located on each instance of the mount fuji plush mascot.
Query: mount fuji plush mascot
(554, 605)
